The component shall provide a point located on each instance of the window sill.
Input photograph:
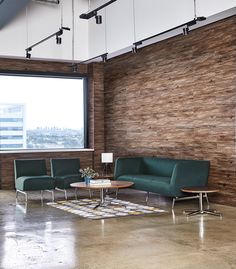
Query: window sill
(44, 150)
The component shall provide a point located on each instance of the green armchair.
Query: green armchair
(65, 171)
(31, 175)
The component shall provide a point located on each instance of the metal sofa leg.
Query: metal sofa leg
(147, 197)
(173, 202)
(183, 198)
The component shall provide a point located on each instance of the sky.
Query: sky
(50, 102)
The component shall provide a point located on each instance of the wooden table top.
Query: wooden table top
(204, 189)
(115, 184)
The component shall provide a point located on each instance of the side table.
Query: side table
(201, 210)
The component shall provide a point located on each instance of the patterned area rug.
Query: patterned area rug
(114, 208)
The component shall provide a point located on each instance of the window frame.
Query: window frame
(56, 75)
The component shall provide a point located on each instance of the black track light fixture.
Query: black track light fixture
(74, 67)
(58, 40)
(104, 57)
(185, 30)
(98, 19)
(58, 36)
(93, 13)
(134, 49)
(28, 55)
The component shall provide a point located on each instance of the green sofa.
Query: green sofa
(161, 175)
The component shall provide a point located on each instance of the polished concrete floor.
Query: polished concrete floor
(46, 237)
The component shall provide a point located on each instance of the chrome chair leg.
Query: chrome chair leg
(25, 194)
(42, 197)
(76, 192)
(53, 195)
(117, 190)
(66, 197)
(16, 195)
(147, 197)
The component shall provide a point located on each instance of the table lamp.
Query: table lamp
(106, 159)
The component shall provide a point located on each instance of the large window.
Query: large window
(38, 112)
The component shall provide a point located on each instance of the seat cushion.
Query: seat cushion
(63, 182)
(35, 183)
(147, 182)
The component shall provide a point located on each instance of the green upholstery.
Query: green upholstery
(65, 171)
(31, 175)
(163, 176)
(126, 166)
(35, 183)
(158, 166)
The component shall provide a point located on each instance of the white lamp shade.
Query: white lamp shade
(107, 157)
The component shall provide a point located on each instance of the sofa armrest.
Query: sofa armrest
(124, 166)
(189, 174)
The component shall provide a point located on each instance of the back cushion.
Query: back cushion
(159, 166)
(29, 167)
(65, 166)
(132, 165)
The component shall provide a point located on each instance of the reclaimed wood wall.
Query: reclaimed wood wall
(96, 116)
(177, 98)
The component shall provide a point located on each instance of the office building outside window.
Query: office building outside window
(12, 126)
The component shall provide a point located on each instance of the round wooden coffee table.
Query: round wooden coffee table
(200, 191)
(115, 184)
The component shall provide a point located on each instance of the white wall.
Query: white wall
(159, 16)
(129, 21)
(38, 21)
(210, 7)
(120, 25)
(97, 36)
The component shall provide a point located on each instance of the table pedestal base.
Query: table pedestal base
(103, 202)
(201, 210)
(192, 212)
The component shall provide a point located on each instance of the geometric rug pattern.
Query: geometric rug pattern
(114, 208)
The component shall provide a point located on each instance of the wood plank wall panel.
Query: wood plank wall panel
(96, 111)
(177, 99)
(87, 157)
(39, 66)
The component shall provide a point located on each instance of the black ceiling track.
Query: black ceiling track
(93, 13)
